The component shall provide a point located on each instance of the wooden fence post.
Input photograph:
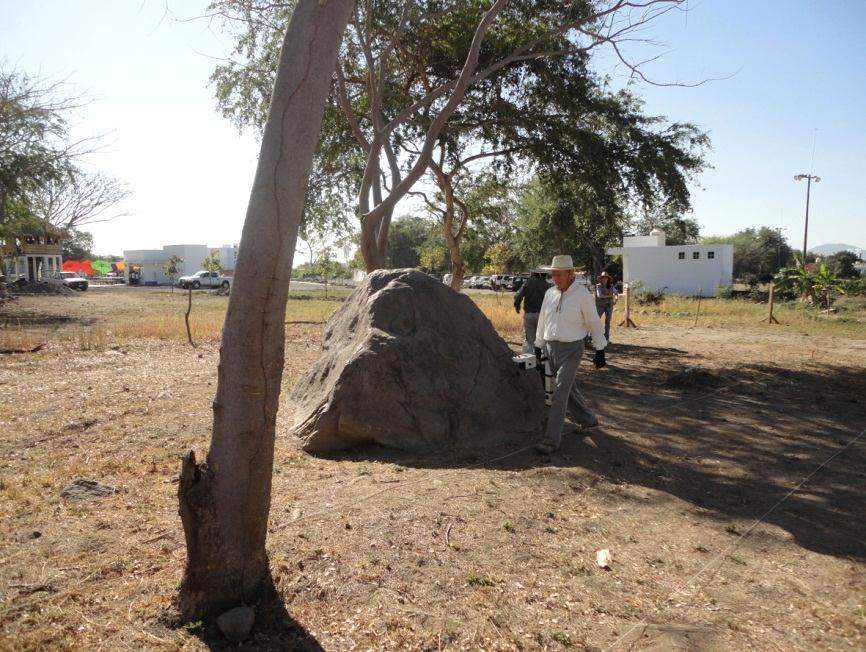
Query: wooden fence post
(771, 319)
(186, 316)
(627, 321)
(700, 296)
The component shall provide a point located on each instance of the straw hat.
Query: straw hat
(561, 262)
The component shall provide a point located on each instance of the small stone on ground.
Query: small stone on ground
(83, 488)
(236, 624)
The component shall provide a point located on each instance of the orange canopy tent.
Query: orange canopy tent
(79, 266)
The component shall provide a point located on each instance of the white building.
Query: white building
(149, 264)
(689, 270)
(228, 257)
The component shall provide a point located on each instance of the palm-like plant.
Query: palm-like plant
(818, 288)
(826, 286)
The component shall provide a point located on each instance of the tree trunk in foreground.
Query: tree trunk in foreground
(224, 502)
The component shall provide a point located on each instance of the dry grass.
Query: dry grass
(91, 323)
(21, 338)
(160, 315)
(382, 551)
(849, 322)
(115, 318)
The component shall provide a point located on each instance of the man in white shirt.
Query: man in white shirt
(568, 314)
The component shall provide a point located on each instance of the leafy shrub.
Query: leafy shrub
(646, 297)
(819, 288)
(725, 292)
(650, 298)
(854, 287)
(758, 295)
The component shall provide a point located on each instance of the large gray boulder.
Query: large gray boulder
(409, 363)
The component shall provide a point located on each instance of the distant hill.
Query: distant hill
(830, 249)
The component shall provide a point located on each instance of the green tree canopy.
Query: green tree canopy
(758, 253)
(42, 184)
(78, 245)
(532, 99)
(841, 264)
(406, 239)
(679, 230)
(558, 216)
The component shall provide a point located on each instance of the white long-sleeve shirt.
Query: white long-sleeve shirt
(568, 317)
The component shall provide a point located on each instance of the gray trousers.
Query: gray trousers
(530, 323)
(565, 358)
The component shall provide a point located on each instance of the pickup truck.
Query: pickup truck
(71, 280)
(499, 281)
(204, 279)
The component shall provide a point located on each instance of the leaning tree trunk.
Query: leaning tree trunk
(224, 502)
(452, 239)
(458, 267)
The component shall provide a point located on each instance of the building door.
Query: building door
(31, 269)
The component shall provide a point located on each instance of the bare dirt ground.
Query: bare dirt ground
(378, 550)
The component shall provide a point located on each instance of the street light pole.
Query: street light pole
(808, 178)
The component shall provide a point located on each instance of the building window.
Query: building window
(711, 254)
(681, 255)
(696, 255)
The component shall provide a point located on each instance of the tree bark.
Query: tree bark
(224, 501)
(371, 219)
(452, 239)
(458, 267)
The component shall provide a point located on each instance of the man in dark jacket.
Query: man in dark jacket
(531, 294)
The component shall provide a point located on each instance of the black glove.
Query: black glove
(538, 355)
(517, 309)
(598, 360)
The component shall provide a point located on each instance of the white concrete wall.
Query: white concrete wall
(192, 254)
(138, 256)
(152, 261)
(146, 259)
(153, 273)
(661, 267)
(644, 240)
(228, 256)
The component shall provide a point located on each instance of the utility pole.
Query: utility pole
(809, 178)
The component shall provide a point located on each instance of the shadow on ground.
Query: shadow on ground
(30, 319)
(733, 442)
(274, 629)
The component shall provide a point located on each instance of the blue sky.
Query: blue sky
(792, 68)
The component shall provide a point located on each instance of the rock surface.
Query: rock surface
(83, 488)
(409, 363)
(236, 624)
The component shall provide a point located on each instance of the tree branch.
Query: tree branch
(438, 123)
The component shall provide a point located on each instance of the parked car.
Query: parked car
(469, 281)
(483, 283)
(71, 280)
(516, 282)
(497, 281)
(204, 279)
